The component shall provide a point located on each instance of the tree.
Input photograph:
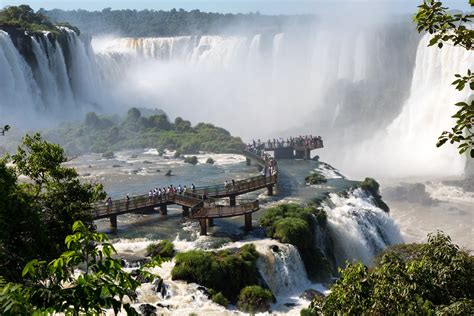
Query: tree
(436, 277)
(448, 29)
(36, 216)
(54, 288)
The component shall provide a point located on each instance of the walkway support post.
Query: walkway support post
(270, 190)
(248, 221)
(186, 211)
(232, 200)
(163, 210)
(210, 222)
(113, 223)
(248, 161)
(203, 224)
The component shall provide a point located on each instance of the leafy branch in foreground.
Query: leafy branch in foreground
(454, 30)
(4, 129)
(58, 287)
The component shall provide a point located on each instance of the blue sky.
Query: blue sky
(234, 6)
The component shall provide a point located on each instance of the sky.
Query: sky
(230, 6)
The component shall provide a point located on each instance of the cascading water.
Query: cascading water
(53, 79)
(359, 230)
(409, 141)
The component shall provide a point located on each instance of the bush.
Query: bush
(224, 271)
(164, 249)
(372, 187)
(210, 161)
(432, 278)
(315, 178)
(254, 299)
(295, 224)
(220, 299)
(108, 155)
(191, 159)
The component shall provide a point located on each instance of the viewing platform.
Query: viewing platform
(203, 203)
(293, 150)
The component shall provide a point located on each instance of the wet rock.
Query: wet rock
(158, 170)
(168, 173)
(290, 304)
(204, 290)
(160, 287)
(132, 261)
(133, 156)
(274, 248)
(410, 192)
(116, 166)
(147, 162)
(147, 309)
(163, 306)
(140, 277)
(311, 294)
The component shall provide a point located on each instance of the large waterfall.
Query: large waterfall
(50, 78)
(366, 89)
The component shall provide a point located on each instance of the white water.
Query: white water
(409, 141)
(359, 230)
(52, 88)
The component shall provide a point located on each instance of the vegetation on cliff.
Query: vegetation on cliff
(371, 186)
(295, 224)
(24, 17)
(175, 22)
(427, 279)
(315, 178)
(102, 134)
(225, 271)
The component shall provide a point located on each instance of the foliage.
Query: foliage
(210, 161)
(315, 178)
(220, 299)
(37, 215)
(191, 160)
(4, 129)
(452, 29)
(222, 271)
(435, 277)
(295, 224)
(54, 288)
(102, 134)
(25, 17)
(171, 23)
(164, 249)
(373, 187)
(254, 299)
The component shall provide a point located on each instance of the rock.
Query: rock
(147, 309)
(163, 305)
(204, 290)
(133, 261)
(410, 192)
(133, 156)
(274, 248)
(147, 162)
(139, 277)
(158, 170)
(311, 294)
(168, 173)
(290, 304)
(116, 166)
(159, 287)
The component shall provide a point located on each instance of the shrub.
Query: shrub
(223, 271)
(220, 299)
(163, 249)
(432, 278)
(210, 161)
(254, 299)
(191, 160)
(293, 231)
(108, 155)
(315, 178)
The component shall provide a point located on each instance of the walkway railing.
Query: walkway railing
(219, 209)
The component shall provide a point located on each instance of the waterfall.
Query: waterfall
(359, 230)
(407, 145)
(53, 79)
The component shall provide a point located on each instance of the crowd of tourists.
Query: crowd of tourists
(307, 141)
